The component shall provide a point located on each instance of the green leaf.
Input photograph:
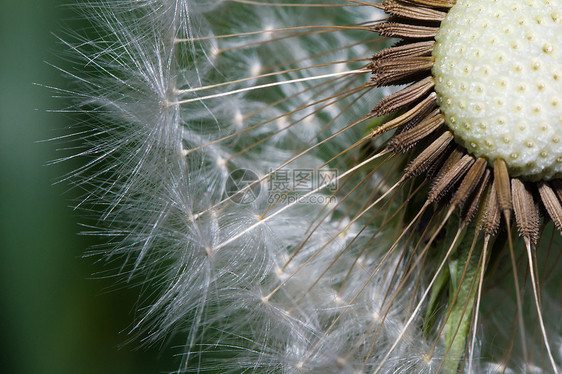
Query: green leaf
(434, 301)
(464, 276)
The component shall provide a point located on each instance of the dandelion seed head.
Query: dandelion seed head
(221, 162)
(353, 272)
(527, 47)
(255, 69)
(268, 31)
(338, 299)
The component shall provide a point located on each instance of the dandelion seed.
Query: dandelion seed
(388, 173)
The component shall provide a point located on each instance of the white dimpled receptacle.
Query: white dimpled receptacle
(498, 76)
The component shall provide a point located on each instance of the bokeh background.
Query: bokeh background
(58, 314)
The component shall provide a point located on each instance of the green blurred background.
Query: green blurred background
(56, 315)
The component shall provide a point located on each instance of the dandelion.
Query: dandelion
(332, 186)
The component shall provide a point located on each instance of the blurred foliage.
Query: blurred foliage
(59, 315)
